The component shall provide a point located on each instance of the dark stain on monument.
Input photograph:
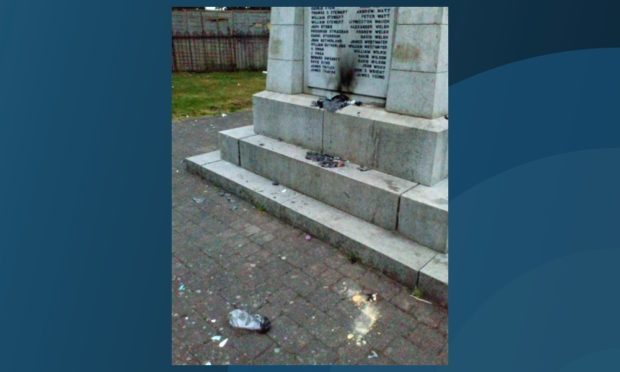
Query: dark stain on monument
(346, 74)
(344, 83)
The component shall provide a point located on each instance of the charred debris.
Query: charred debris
(346, 82)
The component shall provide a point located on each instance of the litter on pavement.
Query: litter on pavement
(254, 322)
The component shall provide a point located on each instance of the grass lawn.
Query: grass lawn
(213, 93)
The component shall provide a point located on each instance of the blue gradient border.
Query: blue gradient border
(85, 194)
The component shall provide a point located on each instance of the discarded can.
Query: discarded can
(242, 319)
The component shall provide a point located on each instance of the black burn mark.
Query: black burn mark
(346, 74)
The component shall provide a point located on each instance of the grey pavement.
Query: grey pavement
(227, 254)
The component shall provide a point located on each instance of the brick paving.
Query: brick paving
(227, 254)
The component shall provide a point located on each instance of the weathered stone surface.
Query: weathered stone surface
(421, 48)
(195, 163)
(414, 93)
(423, 215)
(418, 79)
(412, 148)
(229, 142)
(433, 279)
(287, 15)
(404, 146)
(370, 195)
(203, 159)
(422, 15)
(349, 135)
(285, 63)
(286, 42)
(289, 118)
(285, 76)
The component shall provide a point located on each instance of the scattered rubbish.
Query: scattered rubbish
(373, 354)
(308, 237)
(350, 336)
(325, 160)
(417, 294)
(216, 338)
(283, 191)
(362, 168)
(223, 343)
(264, 72)
(275, 183)
(335, 103)
(367, 317)
(224, 115)
(276, 350)
(283, 257)
(213, 320)
(446, 117)
(198, 200)
(421, 300)
(207, 363)
(242, 319)
(181, 287)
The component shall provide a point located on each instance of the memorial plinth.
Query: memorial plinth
(389, 204)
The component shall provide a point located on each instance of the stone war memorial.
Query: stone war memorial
(368, 175)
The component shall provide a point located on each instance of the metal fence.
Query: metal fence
(207, 40)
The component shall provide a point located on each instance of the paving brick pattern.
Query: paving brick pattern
(227, 254)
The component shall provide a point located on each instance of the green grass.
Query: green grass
(213, 93)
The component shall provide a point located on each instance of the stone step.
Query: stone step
(370, 195)
(407, 147)
(423, 215)
(418, 212)
(409, 263)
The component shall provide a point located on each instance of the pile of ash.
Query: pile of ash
(325, 160)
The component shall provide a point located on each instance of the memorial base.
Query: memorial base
(395, 225)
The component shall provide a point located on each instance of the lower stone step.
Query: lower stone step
(370, 195)
(418, 212)
(400, 258)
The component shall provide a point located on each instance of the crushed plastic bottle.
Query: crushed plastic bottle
(242, 319)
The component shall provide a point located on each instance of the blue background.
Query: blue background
(85, 195)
